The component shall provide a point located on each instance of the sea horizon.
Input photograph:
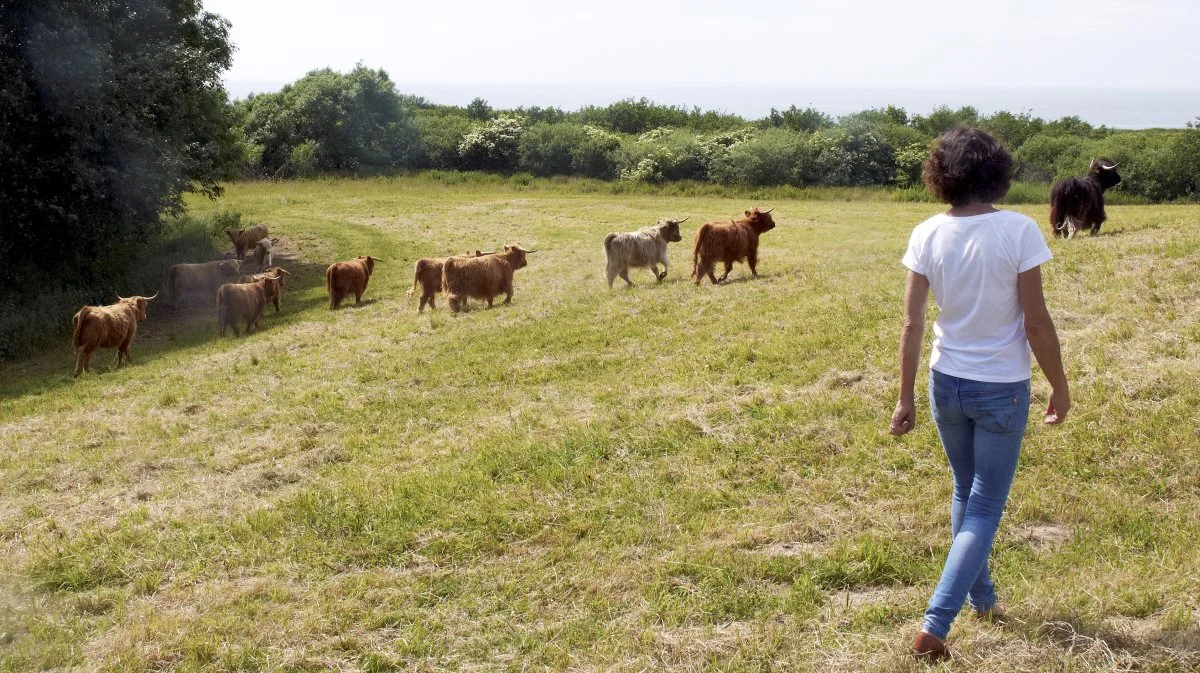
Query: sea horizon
(1122, 108)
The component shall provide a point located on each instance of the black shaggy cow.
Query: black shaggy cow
(1078, 203)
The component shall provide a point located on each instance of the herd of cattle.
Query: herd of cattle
(1075, 203)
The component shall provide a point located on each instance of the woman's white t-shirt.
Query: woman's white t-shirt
(972, 265)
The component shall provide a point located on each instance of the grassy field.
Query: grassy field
(668, 477)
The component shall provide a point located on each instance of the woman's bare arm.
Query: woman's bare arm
(912, 333)
(1043, 340)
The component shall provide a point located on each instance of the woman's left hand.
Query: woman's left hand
(903, 418)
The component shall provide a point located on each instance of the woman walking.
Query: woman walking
(983, 266)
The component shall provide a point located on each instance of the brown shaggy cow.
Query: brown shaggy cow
(274, 290)
(483, 277)
(246, 239)
(343, 278)
(427, 275)
(199, 279)
(112, 326)
(244, 301)
(729, 242)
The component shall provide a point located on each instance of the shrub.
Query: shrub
(597, 155)
(439, 136)
(493, 145)
(909, 162)
(546, 149)
(774, 157)
(302, 161)
(849, 159)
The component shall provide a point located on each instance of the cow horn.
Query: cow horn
(529, 251)
(377, 259)
(683, 220)
(767, 211)
(1109, 168)
(152, 298)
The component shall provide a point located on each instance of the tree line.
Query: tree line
(356, 122)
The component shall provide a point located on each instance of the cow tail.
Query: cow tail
(608, 242)
(416, 280)
(221, 308)
(76, 328)
(329, 283)
(697, 249)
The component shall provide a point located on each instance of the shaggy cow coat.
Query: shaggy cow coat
(264, 253)
(483, 277)
(427, 275)
(644, 248)
(245, 239)
(729, 242)
(1078, 203)
(112, 326)
(345, 278)
(274, 290)
(200, 279)
(238, 301)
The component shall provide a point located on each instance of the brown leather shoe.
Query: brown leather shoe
(929, 648)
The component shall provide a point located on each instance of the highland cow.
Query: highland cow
(427, 275)
(264, 253)
(274, 290)
(729, 242)
(1078, 203)
(244, 301)
(644, 248)
(344, 278)
(484, 277)
(199, 279)
(245, 239)
(112, 326)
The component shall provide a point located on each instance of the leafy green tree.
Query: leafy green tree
(479, 110)
(354, 121)
(802, 121)
(110, 110)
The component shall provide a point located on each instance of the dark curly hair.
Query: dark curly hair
(966, 165)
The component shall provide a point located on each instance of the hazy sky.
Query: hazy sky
(938, 43)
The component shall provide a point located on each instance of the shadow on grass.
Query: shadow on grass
(1143, 640)
(191, 325)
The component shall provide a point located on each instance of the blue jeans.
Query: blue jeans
(981, 426)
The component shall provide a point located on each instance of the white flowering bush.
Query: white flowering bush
(647, 171)
(492, 145)
(654, 135)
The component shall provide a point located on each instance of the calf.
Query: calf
(1078, 203)
(244, 301)
(112, 326)
(483, 277)
(729, 242)
(343, 278)
(644, 248)
(264, 253)
(245, 239)
(427, 275)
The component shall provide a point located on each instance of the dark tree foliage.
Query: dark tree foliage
(348, 121)
(109, 111)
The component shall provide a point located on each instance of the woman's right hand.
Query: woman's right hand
(1060, 404)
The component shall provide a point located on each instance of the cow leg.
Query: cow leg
(666, 267)
(277, 303)
(625, 277)
(752, 262)
(81, 361)
(1096, 230)
(708, 271)
(654, 270)
(728, 268)
(490, 302)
